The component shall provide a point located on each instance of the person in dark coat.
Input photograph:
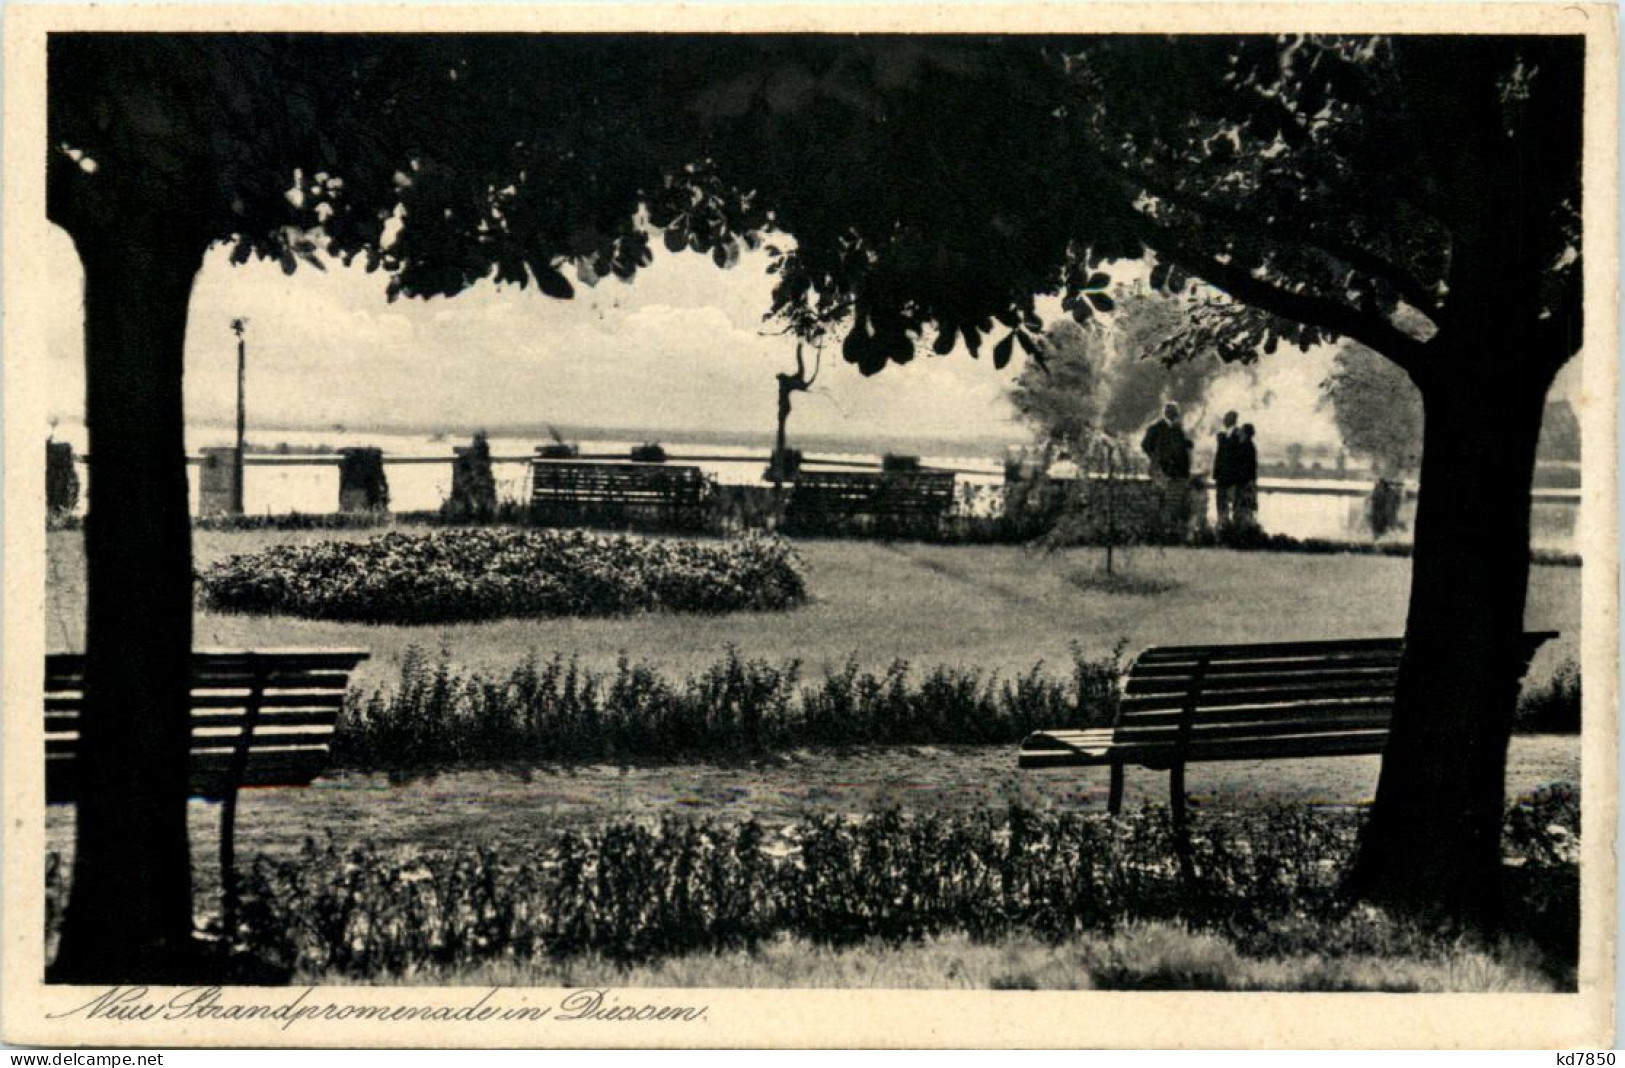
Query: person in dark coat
(1224, 472)
(1169, 449)
(1167, 446)
(1246, 457)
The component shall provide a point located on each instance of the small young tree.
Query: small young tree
(1091, 389)
(783, 465)
(1378, 410)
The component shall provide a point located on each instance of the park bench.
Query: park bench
(1194, 703)
(584, 493)
(259, 718)
(879, 502)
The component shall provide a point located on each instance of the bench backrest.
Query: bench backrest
(883, 493)
(1218, 701)
(289, 701)
(574, 481)
(1221, 702)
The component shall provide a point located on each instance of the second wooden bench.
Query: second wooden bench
(1185, 704)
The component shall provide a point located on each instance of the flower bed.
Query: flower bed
(457, 575)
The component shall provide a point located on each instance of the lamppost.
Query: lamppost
(239, 326)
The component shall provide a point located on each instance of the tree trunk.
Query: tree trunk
(781, 438)
(1432, 845)
(129, 917)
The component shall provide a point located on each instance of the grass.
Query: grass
(1122, 583)
(1141, 957)
(995, 608)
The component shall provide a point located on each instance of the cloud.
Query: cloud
(683, 347)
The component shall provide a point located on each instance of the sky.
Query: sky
(683, 347)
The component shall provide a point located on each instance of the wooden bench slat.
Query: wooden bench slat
(1262, 729)
(1266, 666)
(1329, 711)
(270, 699)
(306, 678)
(209, 738)
(266, 741)
(1329, 681)
(1222, 653)
(61, 667)
(1034, 759)
(1306, 745)
(1216, 703)
(218, 703)
(279, 719)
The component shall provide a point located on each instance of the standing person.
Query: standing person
(1167, 446)
(1224, 473)
(1169, 449)
(1246, 482)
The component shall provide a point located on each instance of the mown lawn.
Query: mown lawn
(994, 607)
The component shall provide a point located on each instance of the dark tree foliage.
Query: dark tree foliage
(929, 188)
(438, 160)
(1419, 195)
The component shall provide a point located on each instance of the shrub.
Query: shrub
(556, 710)
(1551, 707)
(363, 486)
(1267, 882)
(61, 479)
(449, 575)
(784, 466)
(898, 462)
(473, 486)
(650, 452)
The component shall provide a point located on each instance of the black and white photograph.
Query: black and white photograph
(588, 526)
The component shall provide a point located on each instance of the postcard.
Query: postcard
(692, 526)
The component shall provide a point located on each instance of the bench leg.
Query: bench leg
(228, 865)
(1176, 796)
(1181, 824)
(1114, 799)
